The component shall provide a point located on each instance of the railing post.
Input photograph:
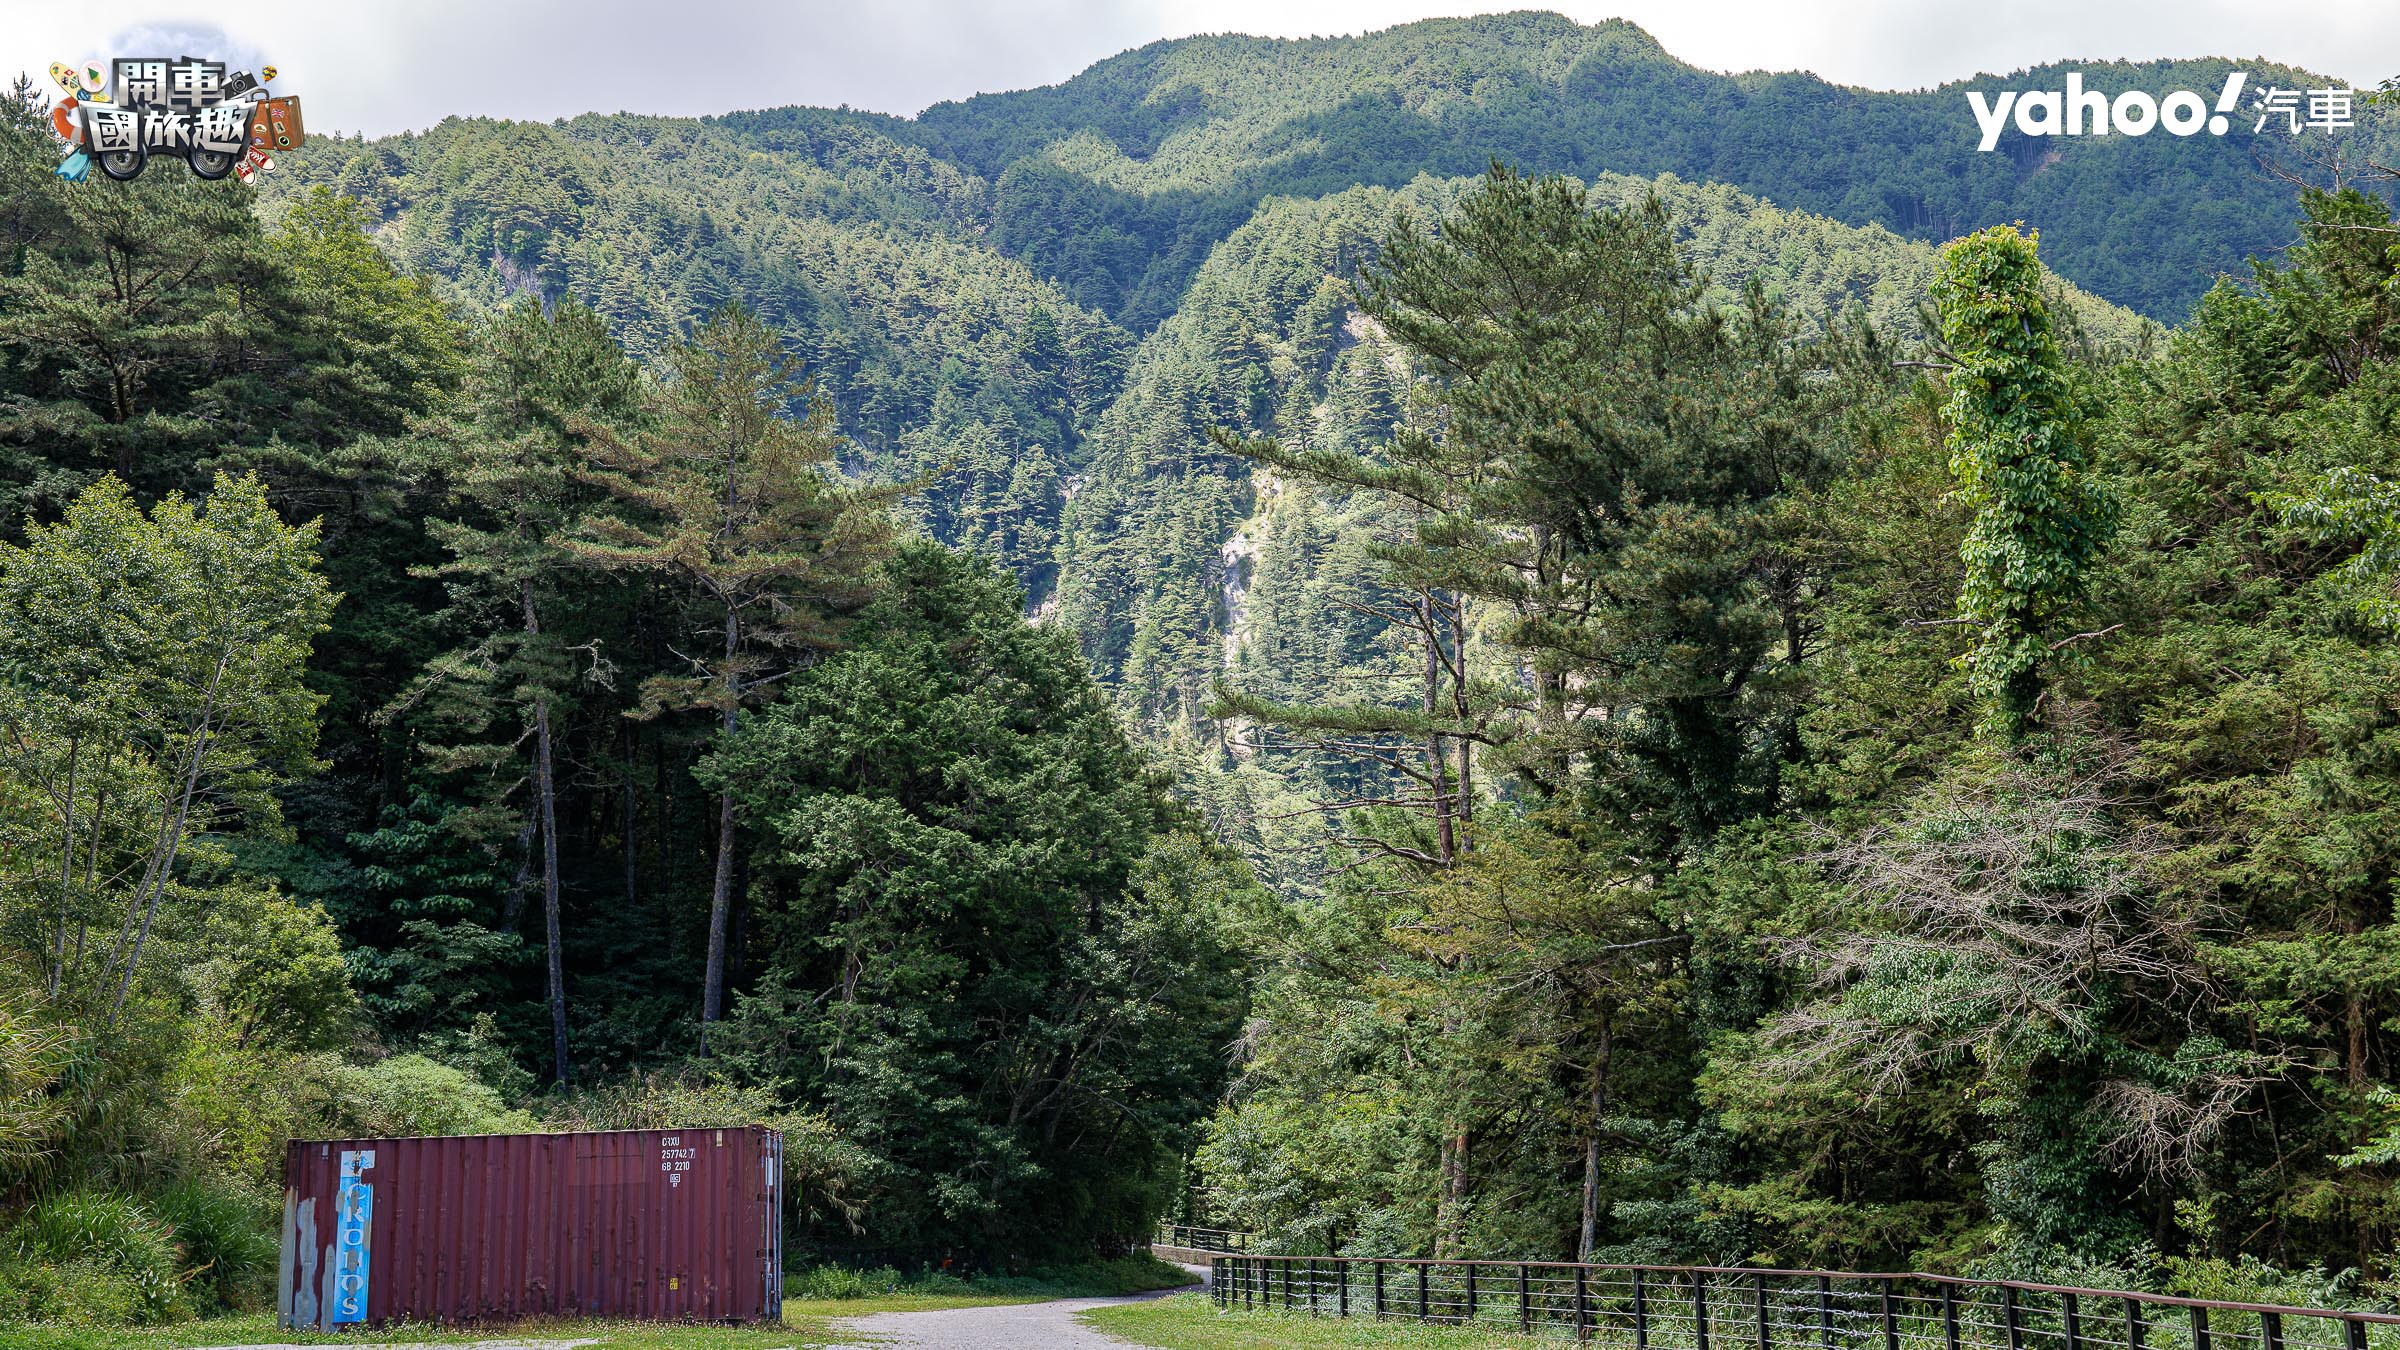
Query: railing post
(2270, 1330)
(1524, 1298)
(2134, 1327)
(2074, 1321)
(1583, 1306)
(1825, 1311)
(1286, 1267)
(1343, 1309)
(1470, 1291)
(1700, 1309)
(1891, 1324)
(2356, 1332)
(2016, 1327)
(1949, 1315)
(1759, 1298)
(2199, 1328)
(1379, 1291)
(1424, 1308)
(1641, 1310)
(1312, 1286)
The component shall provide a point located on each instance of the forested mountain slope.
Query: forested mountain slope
(1113, 181)
(1265, 341)
(1046, 436)
(1736, 777)
(941, 356)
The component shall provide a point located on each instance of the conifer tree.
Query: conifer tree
(728, 493)
(514, 470)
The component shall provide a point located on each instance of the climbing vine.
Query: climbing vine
(2019, 451)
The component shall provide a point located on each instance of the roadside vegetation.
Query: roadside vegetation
(1191, 1322)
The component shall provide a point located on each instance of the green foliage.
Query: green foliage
(168, 648)
(225, 1240)
(1112, 180)
(2019, 450)
(92, 1256)
(412, 1095)
(991, 956)
(1556, 606)
(1137, 1273)
(33, 1058)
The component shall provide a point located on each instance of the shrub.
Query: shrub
(412, 1095)
(843, 1282)
(84, 1293)
(1135, 1274)
(226, 1242)
(91, 1254)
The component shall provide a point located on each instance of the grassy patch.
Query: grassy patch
(254, 1329)
(1191, 1322)
(806, 1321)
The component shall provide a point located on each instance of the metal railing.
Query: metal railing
(1742, 1308)
(1193, 1239)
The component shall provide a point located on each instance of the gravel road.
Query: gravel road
(1021, 1326)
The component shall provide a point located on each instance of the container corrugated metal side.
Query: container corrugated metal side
(683, 1225)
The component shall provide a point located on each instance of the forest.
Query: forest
(1517, 715)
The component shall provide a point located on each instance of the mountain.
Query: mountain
(1166, 144)
(1042, 302)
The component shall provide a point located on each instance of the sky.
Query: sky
(381, 66)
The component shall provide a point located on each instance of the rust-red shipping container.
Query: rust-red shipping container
(684, 1225)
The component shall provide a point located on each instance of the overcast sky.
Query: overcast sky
(387, 65)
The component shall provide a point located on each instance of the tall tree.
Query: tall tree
(512, 464)
(2020, 450)
(728, 492)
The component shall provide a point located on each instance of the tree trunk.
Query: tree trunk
(162, 858)
(91, 856)
(66, 865)
(720, 901)
(545, 783)
(1591, 1144)
(1450, 1222)
(164, 869)
(549, 810)
(1437, 758)
(632, 817)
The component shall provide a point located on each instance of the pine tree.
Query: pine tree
(729, 494)
(514, 462)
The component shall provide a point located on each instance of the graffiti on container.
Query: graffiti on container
(353, 1220)
(675, 1160)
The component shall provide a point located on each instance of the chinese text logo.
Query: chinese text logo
(148, 106)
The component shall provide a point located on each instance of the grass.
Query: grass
(1191, 1322)
(806, 1321)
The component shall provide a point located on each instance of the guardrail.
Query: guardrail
(1193, 1239)
(1744, 1308)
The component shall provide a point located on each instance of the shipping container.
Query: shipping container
(683, 1225)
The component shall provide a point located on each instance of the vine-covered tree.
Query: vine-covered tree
(2020, 449)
